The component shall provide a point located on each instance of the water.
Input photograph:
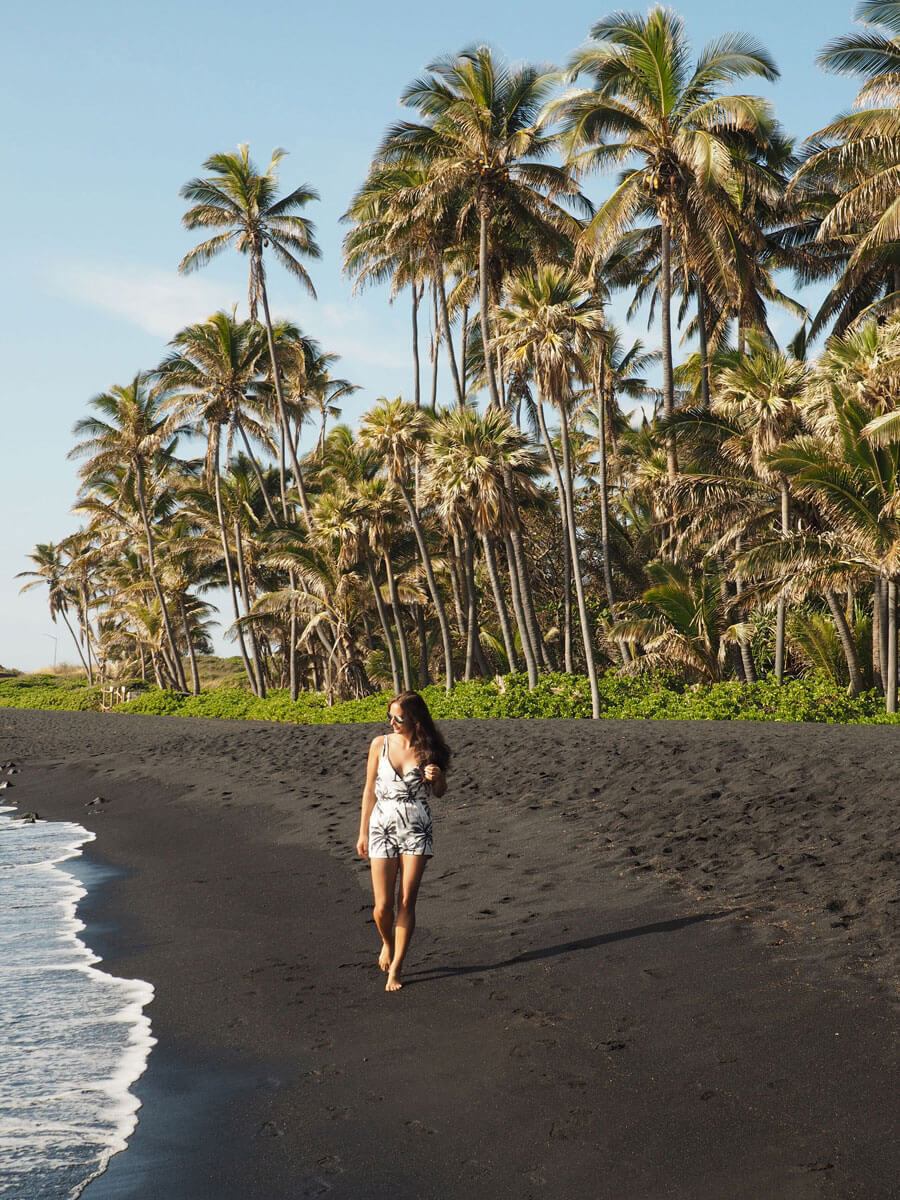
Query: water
(73, 1039)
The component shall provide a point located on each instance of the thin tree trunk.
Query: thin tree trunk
(746, 655)
(781, 610)
(474, 622)
(435, 348)
(600, 401)
(398, 621)
(245, 593)
(257, 471)
(432, 584)
(877, 674)
(385, 627)
(229, 571)
(668, 374)
(86, 625)
(519, 563)
(189, 641)
(519, 611)
(484, 303)
(425, 679)
(444, 316)
(151, 568)
(454, 559)
(891, 689)
(883, 628)
(77, 647)
(293, 665)
(566, 544)
(463, 347)
(282, 416)
(576, 567)
(490, 562)
(417, 392)
(704, 345)
(848, 645)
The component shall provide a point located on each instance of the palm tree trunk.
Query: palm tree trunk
(398, 621)
(245, 593)
(86, 626)
(463, 346)
(566, 543)
(877, 673)
(257, 471)
(189, 642)
(704, 345)
(432, 584)
(417, 392)
(490, 561)
(883, 628)
(744, 644)
(781, 610)
(891, 689)
(519, 563)
(385, 627)
(151, 569)
(454, 559)
(848, 645)
(576, 568)
(441, 298)
(484, 303)
(425, 679)
(229, 570)
(600, 401)
(668, 374)
(282, 416)
(435, 348)
(87, 669)
(293, 666)
(519, 611)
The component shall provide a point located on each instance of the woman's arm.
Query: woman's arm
(435, 776)
(368, 799)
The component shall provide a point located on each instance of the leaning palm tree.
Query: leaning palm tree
(683, 134)
(550, 321)
(130, 430)
(244, 208)
(51, 572)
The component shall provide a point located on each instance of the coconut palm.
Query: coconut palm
(51, 572)
(550, 321)
(484, 141)
(138, 436)
(245, 209)
(682, 132)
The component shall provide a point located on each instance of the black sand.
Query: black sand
(653, 959)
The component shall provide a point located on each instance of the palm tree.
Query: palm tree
(680, 129)
(483, 141)
(550, 321)
(396, 431)
(137, 436)
(246, 210)
(760, 393)
(51, 572)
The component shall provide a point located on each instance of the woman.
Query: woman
(405, 767)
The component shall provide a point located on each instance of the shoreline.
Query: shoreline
(569, 1017)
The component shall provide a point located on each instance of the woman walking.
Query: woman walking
(405, 767)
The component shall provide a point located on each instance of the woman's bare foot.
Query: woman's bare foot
(384, 958)
(394, 983)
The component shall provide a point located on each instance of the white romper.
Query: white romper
(401, 819)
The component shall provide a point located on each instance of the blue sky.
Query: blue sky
(110, 107)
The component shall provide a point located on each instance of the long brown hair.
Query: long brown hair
(424, 736)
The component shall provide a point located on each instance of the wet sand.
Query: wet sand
(654, 959)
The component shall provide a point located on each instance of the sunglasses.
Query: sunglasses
(395, 720)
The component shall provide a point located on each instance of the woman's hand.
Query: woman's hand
(362, 846)
(431, 772)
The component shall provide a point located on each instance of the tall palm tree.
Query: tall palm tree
(136, 435)
(244, 207)
(51, 572)
(681, 130)
(550, 322)
(396, 431)
(484, 143)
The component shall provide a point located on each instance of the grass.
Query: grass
(809, 700)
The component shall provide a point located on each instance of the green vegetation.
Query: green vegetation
(555, 695)
(515, 520)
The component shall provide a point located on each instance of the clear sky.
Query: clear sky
(109, 107)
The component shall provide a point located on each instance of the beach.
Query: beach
(654, 959)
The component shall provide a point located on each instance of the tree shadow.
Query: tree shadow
(589, 943)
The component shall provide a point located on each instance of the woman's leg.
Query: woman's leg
(411, 871)
(384, 881)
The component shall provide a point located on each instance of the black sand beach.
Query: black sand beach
(653, 959)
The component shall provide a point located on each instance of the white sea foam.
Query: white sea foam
(73, 1039)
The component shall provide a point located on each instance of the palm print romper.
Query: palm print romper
(401, 819)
